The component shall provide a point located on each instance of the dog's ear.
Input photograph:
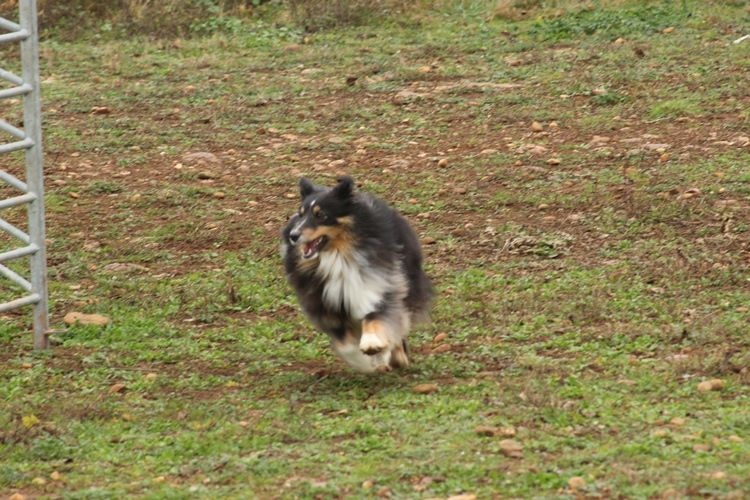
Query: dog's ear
(345, 188)
(306, 188)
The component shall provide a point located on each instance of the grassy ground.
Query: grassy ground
(592, 269)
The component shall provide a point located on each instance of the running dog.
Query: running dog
(356, 266)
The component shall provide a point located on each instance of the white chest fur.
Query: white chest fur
(350, 282)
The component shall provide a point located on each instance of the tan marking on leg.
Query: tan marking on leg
(374, 336)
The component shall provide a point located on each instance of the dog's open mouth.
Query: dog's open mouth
(311, 248)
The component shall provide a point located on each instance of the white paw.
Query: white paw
(372, 343)
(362, 362)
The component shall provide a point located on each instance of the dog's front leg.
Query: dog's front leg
(346, 346)
(376, 336)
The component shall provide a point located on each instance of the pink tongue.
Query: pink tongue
(310, 247)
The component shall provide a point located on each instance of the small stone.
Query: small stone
(384, 492)
(463, 496)
(537, 127)
(600, 139)
(205, 175)
(717, 384)
(428, 240)
(367, 484)
(117, 388)
(508, 431)
(100, 110)
(219, 195)
(543, 206)
(735, 438)
(407, 97)
(17, 496)
(460, 190)
(669, 29)
(425, 388)
(39, 481)
(619, 41)
(243, 423)
(664, 158)
(511, 448)
(576, 483)
(86, 319)
(702, 448)
(337, 163)
(659, 147)
(486, 430)
(690, 193)
(55, 476)
(424, 69)
(201, 159)
(117, 267)
(553, 161)
(719, 475)
(677, 422)
(552, 125)
(705, 386)
(439, 337)
(599, 91)
(151, 376)
(441, 349)
(442, 163)
(290, 196)
(487, 152)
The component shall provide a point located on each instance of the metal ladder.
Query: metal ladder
(30, 192)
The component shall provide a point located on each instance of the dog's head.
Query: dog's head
(324, 220)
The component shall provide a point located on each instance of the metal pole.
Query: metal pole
(32, 124)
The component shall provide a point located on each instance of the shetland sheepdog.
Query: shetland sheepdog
(356, 266)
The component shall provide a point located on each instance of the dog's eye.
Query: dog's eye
(318, 213)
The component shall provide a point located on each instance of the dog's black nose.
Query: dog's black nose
(294, 237)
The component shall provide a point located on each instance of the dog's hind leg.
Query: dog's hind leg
(400, 355)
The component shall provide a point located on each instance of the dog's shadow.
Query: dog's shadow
(337, 382)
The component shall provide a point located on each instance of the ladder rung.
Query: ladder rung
(16, 36)
(15, 91)
(17, 200)
(9, 25)
(14, 231)
(12, 78)
(15, 278)
(13, 304)
(18, 253)
(14, 131)
(15, 146)
(14, 181)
